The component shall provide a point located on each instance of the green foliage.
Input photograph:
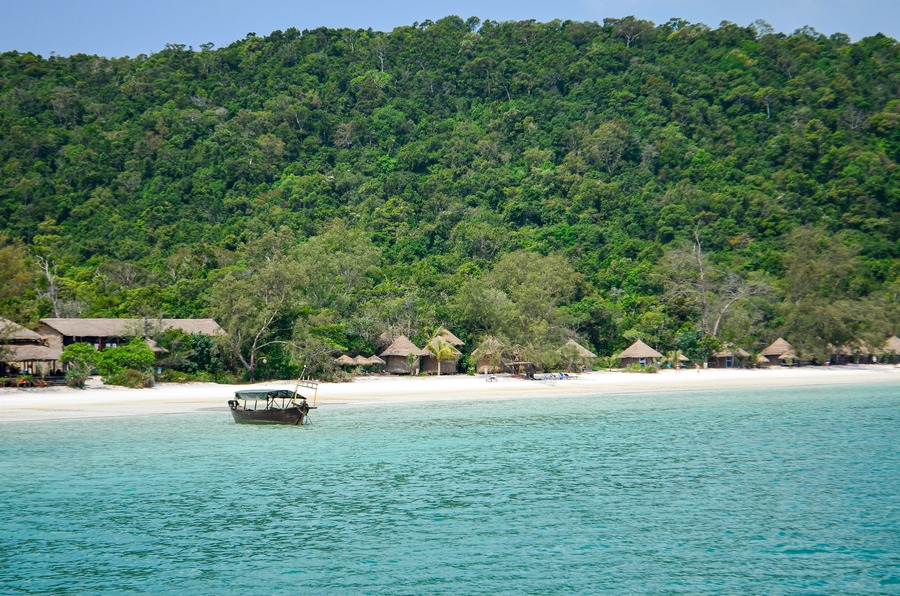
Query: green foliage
(129, 377)
(135, 356)
(80, 355)
(531, 181)
(77, 376)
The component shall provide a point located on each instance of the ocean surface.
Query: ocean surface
(765, 492)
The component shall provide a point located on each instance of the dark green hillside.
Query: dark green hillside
(525, 181)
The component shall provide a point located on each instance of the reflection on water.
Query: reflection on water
(731, 492)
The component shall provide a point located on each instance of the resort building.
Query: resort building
(779, 352)
(577, 357)
(729, 357)
(23, 351)
(446, 343)
(110, 333)
(402, 357)
(638, 353)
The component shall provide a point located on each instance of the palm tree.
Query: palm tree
(442, 350)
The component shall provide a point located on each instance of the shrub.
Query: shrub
(130, 377)
(77, 376)
(80, 355)
(135, 355)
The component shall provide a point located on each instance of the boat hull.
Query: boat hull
(293, 416)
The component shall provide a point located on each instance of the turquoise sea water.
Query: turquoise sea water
(793, 491)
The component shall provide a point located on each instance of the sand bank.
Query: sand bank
(99, 400)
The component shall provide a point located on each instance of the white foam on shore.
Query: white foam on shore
(98, 400)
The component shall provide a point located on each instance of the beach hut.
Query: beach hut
(488, 356)
(23, 350)
(779, 352)
(638, 353)
(728, 357)
(443, 344)
(402, 357)
(440, 358)
(577, 357)
(891, 349)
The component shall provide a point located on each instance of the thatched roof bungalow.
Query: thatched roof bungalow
(488, 356)
(23, 350)
(891, 349)
(729, 357)
(577, 356)
(779, 352)
(447, 343)
(402, 357)
(638, 353)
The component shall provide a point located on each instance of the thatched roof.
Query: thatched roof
(432, 346)
(130, 327)
(345, 360)
(361, 361)
(761, 359)
(451, 339)
(582, 351)
(490, 346)
(639, 350)
(374, 360)
(10, 331)
(403, 347)
(30, 353)
(892, 345)
(778, 347)
(731, 351)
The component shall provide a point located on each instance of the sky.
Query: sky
(115, 28)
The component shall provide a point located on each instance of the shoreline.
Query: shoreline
(102, 401)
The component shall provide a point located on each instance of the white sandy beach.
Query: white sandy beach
(99, 400)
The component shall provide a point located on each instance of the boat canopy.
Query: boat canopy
(265, 394)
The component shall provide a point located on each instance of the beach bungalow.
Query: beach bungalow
(103, 333)
(729, 357)
(444, 343)
(23, 351)
(638, 353)
(402, 357)
(779, 352)
(488, 356)
(577, 357)
(891, 349)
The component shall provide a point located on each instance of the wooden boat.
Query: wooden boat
(272, 406)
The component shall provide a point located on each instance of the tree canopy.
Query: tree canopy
(528, 182)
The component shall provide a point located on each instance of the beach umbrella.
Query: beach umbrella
(344, 360)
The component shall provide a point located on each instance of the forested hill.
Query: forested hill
(524, 181)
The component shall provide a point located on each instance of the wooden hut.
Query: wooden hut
(578, 358)
(25, 351)
(729, 357)
(488, 356)
(891, 349)
(779, 352)
(402, 357)
(638, 353)
(442, 340)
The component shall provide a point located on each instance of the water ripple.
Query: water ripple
(707, 492)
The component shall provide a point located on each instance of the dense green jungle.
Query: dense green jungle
(520, 183)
